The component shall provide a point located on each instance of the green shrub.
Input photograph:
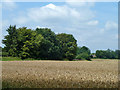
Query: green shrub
(0, 53)
(65, 59)
(83, 56)
(5, 54)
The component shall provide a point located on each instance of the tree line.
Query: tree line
(42, 43)
(108, 54)
(85, 53)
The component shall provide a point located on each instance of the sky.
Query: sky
(93, 24)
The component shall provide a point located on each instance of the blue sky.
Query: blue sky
(94, 25)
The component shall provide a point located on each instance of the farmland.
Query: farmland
(60, 74)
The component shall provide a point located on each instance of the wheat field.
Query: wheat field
(60, 74)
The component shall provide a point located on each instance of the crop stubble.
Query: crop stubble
(60, 74)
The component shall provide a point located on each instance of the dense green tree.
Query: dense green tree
(117, 54)
(68, 44)
(50, 47)
(4, 53)
(83, 49)
(83, 56)
(0, 49)
(100, 54)
(10, 41)
(41, 47)
(83, 53)
(25, 42)
(107, 54)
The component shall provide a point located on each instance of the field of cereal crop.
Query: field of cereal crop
(60, 74)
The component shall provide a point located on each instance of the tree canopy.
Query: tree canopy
(83, 49)
(68, 44)
(108, 54)
(83, 53)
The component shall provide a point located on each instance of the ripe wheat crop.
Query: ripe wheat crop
(60, 74)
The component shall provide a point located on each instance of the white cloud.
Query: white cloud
(110, 25)
(95, 22)
(52, 14)
(52, 6)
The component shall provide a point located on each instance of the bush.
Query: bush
(83, 56)
(5, 54)
(0, 53)
(65, 59)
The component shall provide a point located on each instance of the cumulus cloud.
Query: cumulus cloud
(110, 25)
(95, 22)
(53, 14)
(52, 6)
